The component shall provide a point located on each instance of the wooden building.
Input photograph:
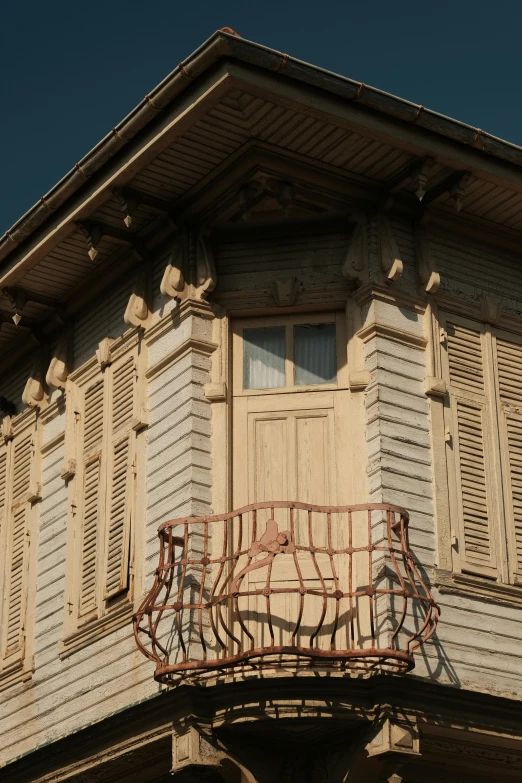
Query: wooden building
(283, 309)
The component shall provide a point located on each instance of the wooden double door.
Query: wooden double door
(290, 443)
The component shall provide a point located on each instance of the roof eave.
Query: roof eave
(224, 44)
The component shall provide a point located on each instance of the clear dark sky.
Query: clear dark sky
(69, 71)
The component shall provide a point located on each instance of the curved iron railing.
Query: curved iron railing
(285, 585)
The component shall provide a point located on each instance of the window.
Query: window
(296, 354)
(483, 369)
(18, 489)
(103, 409)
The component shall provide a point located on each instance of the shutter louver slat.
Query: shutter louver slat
(469, 404)
(119, 512)
(92, 444)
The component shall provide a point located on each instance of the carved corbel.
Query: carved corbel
(395, 736)
(93, 234)
(34, 393)
(173, 281)
(18, 300)
(490, 308)
(206, 278)
(61, 362)
(190, 273)
(137, 312)
(354, 263)
(285, 291)
(429, 276)
(391, 262)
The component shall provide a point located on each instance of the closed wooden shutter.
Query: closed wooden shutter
(509, 377)
(17, 543)
(3, 484)
(92, 494)
(472, 463)
(121, 480)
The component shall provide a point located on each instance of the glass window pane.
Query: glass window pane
(314, 354)
(264, 358)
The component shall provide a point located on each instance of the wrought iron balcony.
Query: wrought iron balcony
(285, 585)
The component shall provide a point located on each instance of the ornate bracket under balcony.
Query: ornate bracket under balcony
(286, 585)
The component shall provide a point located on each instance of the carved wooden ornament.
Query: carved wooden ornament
(60, 365)
(137, 312)
(34, 394)
(285, 291)
(354, 262)
(429, 276)
(391, 263)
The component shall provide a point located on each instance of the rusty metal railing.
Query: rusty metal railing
(285, 585)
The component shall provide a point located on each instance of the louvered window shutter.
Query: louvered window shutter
(120, 476)
(92, 494)
(17, 542)
(509, 375)
(472, 471)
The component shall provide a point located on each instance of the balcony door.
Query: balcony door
(290, 433)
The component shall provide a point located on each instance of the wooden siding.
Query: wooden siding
(66, 694)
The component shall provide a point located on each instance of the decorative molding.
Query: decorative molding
(137, 313)
(187, 308)
(104, 352)
(285, 291)
(359, 380)
(97, 629)
(377, 329)
(393, 296)
(216, 392)
(477, 587)
(478, 753)
(436, 387)
(391, 262)
(34, 394)
(192, 344)
(428, 274)
(395, 737)
(61, 362)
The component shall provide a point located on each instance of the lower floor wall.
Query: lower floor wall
(292, 729)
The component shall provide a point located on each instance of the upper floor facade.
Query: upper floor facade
(268, 286)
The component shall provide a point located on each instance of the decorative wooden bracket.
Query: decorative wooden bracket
(491, 308)
(137, 313)
(391, 263)
(248, 195)
(285, 291)
(429, 276)
(93, 231)
(414, 173)
(18, 299)
(130, 199)
(61, 362)
(354, 262)
(190, 273)
(34, 393)
(455, 184)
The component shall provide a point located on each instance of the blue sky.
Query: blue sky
(70, 72)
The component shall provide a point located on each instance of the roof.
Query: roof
(227, 44)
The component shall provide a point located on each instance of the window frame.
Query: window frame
(289, 321)
(17, 664)
(113, 612)
(508, 578)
